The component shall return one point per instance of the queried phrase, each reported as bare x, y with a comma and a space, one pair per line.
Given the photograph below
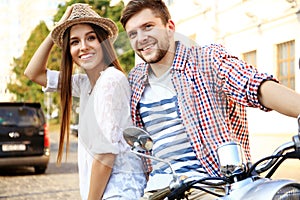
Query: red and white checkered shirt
213, 90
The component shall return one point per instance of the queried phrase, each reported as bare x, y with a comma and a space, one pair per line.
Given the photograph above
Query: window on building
250, 57
286, 63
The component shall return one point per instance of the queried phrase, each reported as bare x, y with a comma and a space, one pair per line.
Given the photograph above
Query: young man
192, 99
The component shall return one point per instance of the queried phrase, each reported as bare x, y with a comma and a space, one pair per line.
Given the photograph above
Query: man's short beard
160, 53
158, 57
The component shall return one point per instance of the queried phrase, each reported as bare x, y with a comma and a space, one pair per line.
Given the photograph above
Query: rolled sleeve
254, 86
238, 79
52, 81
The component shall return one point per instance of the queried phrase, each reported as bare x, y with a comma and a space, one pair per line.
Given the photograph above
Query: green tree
22, 87
26, 90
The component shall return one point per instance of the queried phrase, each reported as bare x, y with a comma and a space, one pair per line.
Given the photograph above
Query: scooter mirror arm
296, 138
175, 176
279, 151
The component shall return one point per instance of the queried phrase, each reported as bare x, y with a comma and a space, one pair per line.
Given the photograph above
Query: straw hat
82, 13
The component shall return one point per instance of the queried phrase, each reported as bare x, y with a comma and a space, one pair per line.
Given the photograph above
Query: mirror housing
138, 138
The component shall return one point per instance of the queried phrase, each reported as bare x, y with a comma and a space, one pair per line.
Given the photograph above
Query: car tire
40, 169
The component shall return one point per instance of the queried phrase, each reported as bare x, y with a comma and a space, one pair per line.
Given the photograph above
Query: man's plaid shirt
213, 90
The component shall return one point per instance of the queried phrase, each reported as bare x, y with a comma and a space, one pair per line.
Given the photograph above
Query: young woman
107, 169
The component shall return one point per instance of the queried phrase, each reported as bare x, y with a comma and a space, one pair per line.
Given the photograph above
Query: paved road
57, 183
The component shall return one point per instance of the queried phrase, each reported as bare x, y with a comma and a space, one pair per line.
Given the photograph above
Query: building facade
265, 33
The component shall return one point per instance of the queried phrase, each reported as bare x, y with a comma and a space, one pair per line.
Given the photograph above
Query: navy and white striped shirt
159, 112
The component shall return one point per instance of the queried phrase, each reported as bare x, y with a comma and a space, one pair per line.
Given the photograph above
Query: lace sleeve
113, 109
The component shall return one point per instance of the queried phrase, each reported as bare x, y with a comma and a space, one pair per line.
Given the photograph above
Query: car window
21, 116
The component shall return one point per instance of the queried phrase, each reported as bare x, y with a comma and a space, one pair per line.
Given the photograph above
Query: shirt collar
181, 56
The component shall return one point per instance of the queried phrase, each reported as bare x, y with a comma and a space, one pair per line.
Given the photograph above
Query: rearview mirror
138, 138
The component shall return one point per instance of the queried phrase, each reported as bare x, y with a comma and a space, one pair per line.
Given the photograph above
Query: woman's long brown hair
110, 59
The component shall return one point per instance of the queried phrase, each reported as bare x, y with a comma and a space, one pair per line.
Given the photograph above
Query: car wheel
40, 169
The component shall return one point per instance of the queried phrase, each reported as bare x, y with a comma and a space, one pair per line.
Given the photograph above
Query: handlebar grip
160, 194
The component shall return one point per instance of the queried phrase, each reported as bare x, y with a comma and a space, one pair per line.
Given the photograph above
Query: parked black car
24, 136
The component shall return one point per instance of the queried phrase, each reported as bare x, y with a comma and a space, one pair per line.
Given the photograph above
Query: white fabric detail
52, 81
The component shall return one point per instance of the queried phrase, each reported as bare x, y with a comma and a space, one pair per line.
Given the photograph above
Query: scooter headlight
289, 192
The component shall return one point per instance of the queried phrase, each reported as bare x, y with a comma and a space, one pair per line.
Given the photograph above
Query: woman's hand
66, 15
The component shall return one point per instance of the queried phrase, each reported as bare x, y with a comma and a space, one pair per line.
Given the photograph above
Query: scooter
239, 181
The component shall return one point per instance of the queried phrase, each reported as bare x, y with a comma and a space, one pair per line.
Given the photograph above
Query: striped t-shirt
159, 112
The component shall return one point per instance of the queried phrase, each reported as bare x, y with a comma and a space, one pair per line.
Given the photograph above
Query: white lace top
104, 113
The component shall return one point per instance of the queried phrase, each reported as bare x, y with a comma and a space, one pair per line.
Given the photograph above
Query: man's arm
279, 98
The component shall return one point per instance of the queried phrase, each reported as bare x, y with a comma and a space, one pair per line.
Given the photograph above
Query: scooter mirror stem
296, 138
175, 176
298, 120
